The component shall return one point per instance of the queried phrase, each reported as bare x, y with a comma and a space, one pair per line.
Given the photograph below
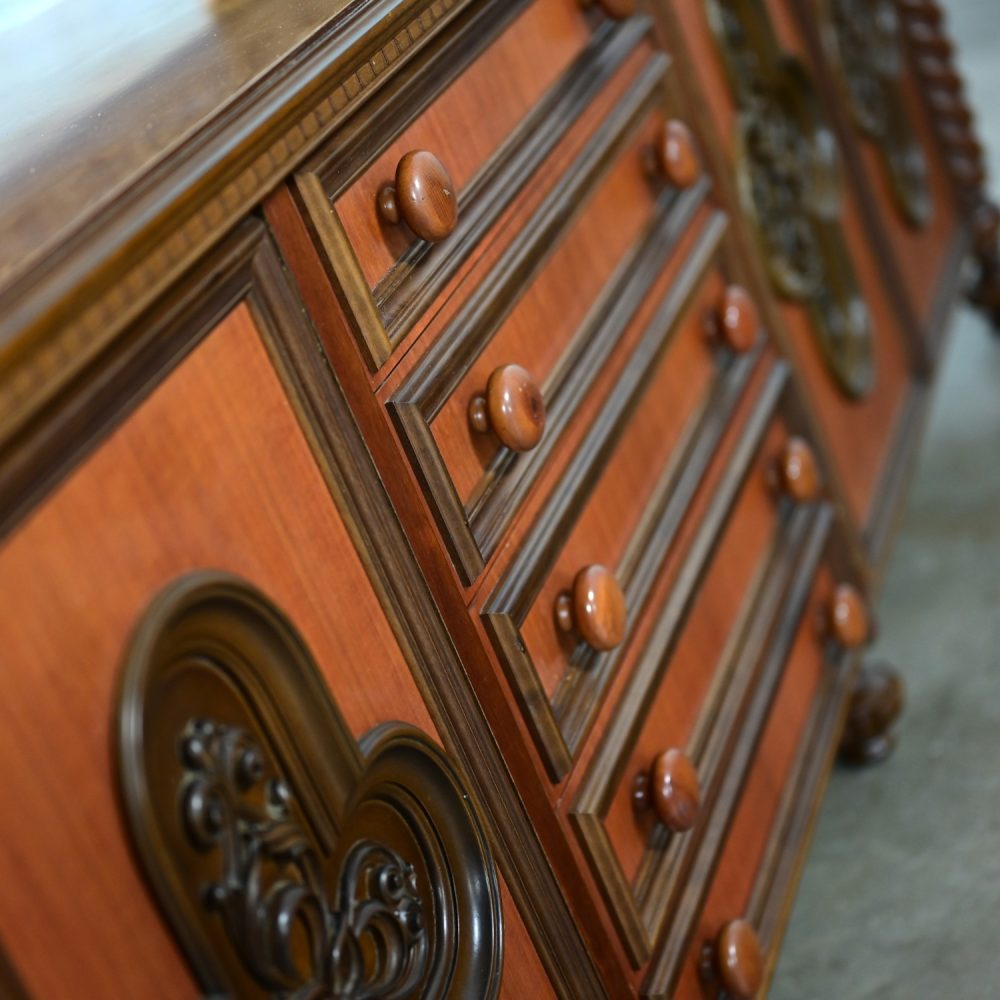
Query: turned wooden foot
876, 702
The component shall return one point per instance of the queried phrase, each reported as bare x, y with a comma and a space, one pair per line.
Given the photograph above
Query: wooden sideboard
449, 450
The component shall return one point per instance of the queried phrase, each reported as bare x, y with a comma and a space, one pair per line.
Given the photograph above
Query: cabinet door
210, 703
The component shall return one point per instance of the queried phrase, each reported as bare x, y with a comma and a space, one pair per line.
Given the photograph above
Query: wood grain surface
733, 882
468, 122
211, 471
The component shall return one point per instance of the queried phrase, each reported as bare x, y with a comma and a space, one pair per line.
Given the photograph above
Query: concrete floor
902, 886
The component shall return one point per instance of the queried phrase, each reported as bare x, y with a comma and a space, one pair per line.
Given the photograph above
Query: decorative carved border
865, 46
289, 861
56, 320
559, 726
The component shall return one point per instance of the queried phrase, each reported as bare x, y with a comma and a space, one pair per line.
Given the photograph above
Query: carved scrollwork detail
291, 861
788, 170
863, 38
271, 881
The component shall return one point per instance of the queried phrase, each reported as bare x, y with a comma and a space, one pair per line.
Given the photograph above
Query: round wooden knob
595, 608
737, 318
677, 156
617, 9
671, 787
423, 197
512, 408
798, 471
849, 621
739, 961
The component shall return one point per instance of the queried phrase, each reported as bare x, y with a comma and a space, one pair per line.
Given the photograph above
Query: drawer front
757, 866
844, 330
862, 53
549, 311
710, 654
466, 125
614, 514
490, 110
189, 584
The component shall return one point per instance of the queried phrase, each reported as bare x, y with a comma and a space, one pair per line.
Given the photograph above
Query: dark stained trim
559, 727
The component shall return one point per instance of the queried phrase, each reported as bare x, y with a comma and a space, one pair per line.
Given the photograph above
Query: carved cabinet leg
876, 703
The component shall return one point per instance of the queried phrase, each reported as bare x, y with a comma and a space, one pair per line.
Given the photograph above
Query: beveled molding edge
56, 318
288, 859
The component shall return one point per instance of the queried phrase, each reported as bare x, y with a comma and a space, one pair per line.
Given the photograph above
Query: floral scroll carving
290, 860
790, 186
865, 41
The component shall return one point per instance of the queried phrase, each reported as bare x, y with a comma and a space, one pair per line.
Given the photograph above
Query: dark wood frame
56, 319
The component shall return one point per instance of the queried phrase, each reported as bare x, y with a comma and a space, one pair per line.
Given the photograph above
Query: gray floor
901, 892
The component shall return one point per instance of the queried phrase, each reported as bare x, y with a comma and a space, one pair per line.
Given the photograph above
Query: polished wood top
95, 91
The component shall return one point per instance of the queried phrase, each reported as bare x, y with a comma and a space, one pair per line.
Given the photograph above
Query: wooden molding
439, 372
560, 726
70, 308
258, 819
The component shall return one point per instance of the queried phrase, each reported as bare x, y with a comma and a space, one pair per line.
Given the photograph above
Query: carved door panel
227, 766
869, 57
853, 352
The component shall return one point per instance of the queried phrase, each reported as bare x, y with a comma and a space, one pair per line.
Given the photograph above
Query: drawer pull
616, 9
512, 408
736, 320
677, 156
423, 196
735, 960
849, 621
672, 788
798, 471
595, 608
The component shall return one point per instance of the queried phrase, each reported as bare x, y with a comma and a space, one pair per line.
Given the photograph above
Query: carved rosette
788, 171
864, 40
290, 861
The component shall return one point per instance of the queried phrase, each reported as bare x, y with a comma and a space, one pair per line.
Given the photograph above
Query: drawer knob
595, 608
672, 788
798, 471
677, 156
737, 318
423, 197
737, 960
512, 408
849, 621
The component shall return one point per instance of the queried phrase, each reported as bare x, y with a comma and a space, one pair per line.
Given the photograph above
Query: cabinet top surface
94, 92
